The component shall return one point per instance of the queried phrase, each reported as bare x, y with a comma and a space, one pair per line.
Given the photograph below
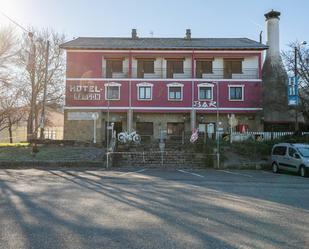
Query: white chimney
188, 34
134, 34
272, 33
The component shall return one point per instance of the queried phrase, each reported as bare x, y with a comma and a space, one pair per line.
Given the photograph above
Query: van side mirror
297, 156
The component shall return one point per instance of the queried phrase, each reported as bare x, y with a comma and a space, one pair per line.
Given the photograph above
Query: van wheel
275, 168
302, 171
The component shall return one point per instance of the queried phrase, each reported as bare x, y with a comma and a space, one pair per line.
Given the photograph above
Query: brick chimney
134, 34
188, 34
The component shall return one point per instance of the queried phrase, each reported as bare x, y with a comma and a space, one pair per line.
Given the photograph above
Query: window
236, 93
205, 93
304, 151
175, 93
232, 67
144, 93
174, 66
112, 91
175, 128
279, 151
144, 66
113, 66
292, 152
236, 66
203, 67
144, 128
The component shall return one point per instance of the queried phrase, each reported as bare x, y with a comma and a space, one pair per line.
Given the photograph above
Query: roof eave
199, 49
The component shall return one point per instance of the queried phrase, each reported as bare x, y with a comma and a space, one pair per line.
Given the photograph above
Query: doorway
117, 128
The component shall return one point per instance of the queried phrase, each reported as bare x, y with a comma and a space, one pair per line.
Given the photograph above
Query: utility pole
44, 93
31, 68
296, 51
295, 82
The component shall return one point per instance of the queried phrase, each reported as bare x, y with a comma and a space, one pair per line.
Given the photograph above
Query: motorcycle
124, 137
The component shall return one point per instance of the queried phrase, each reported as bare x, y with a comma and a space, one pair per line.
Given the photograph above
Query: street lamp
296, 51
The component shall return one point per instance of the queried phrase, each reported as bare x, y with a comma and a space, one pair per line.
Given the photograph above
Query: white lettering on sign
85, 92
204, 104
87, 96
81, 115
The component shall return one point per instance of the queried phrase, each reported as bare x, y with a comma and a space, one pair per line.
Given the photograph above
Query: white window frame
174, 85
205, 85
144, 84
242, 89
106, 85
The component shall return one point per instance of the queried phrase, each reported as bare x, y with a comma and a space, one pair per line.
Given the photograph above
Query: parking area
152, 208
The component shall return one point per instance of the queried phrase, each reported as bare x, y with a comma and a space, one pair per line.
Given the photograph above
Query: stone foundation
83, 129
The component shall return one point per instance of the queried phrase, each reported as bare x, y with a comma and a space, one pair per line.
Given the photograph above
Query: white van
290, 157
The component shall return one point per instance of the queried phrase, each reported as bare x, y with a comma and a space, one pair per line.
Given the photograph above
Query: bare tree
32, 81
8, 51
12, 113
302, 67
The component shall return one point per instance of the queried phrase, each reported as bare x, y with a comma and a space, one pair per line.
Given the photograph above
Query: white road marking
235, 173
186, 172
132, 172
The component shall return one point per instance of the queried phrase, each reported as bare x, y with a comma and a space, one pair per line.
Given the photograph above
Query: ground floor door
117, 128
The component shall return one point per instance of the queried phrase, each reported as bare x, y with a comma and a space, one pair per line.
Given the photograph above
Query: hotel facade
150, 85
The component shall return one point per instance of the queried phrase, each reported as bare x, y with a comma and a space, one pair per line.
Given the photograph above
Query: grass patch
14, 144
55, 153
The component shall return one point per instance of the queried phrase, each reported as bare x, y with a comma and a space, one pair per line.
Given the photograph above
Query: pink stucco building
155, 84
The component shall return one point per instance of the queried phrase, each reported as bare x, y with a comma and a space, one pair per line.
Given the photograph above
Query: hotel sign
85, 92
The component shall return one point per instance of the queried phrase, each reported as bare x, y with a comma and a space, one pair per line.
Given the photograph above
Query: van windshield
304, 151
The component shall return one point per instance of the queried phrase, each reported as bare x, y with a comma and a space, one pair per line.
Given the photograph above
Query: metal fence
261, 135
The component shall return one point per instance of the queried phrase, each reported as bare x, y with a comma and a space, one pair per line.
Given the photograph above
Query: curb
51, 164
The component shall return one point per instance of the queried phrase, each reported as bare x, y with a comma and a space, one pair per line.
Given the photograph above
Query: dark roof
162, 43
272, 14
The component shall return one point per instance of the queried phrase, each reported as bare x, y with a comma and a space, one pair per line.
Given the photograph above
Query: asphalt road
152, 208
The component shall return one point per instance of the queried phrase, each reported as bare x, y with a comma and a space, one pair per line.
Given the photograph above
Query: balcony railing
221, 73
163, 73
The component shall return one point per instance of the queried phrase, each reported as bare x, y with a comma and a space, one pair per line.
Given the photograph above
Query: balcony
163, 73
116, 75
220, 73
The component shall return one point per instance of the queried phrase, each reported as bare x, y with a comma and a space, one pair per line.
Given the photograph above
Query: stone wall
83, 129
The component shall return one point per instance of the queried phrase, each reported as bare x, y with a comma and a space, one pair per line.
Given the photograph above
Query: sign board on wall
81, 115
85, 92
210, 128
204, 104
293, 91
202, 128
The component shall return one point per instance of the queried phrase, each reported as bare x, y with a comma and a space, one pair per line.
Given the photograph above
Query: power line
16, 23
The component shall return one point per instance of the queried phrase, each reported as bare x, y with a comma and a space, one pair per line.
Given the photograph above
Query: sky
160, 18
